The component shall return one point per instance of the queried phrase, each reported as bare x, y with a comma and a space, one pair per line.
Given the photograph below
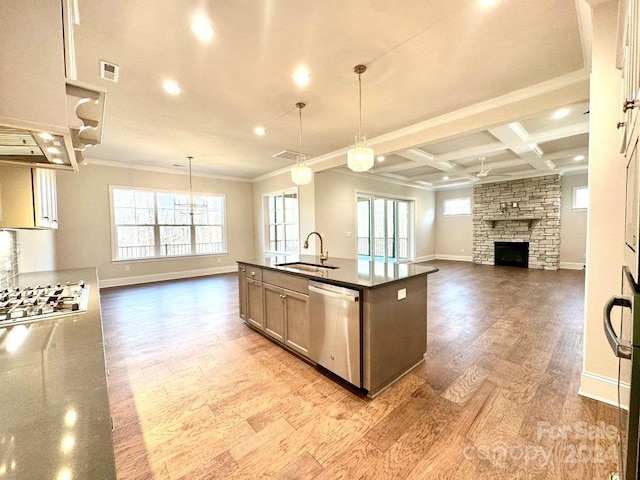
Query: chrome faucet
323, 256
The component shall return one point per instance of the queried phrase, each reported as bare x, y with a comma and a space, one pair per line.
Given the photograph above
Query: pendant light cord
360, 104
300, 110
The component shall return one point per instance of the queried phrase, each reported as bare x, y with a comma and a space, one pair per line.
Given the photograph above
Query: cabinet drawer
253, 272
286, 280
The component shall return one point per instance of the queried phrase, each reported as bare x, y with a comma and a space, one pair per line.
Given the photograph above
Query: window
281, 215
147, 224
456, 206
580, 198
384, 228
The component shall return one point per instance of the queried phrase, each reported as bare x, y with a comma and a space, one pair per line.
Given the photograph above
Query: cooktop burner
20, 305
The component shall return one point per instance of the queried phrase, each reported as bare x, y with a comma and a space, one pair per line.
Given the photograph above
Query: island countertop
54, 417
348, 272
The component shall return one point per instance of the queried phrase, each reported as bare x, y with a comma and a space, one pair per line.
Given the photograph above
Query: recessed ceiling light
488, 3
202, 28
53, 150
380, 158
301, 76
46, 136
171, 87
561, 113
260, 131
445, 178
578, 158
59, 161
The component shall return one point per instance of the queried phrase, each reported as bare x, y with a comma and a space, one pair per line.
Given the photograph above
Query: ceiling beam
515, 138
558, 133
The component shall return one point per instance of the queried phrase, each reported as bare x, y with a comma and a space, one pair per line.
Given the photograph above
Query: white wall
573, 224
454, 235
83, 238
605, 238
335, 202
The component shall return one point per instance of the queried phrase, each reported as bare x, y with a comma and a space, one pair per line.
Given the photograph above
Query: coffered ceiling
425, 59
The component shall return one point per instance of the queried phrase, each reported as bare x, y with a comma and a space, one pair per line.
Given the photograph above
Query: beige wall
605, 226
83, 238
573, 224
454, 235
335, 202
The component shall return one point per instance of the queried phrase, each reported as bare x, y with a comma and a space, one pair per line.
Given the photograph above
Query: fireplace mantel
493, 220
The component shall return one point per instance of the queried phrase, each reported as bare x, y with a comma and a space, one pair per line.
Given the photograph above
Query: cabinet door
242, 291
254, 303
297, 321
45, 198
274, 304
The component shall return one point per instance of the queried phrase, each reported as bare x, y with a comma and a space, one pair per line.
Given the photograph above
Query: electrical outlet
127, 268
219, 260
614, 476
462, 250
349, 234
402, 293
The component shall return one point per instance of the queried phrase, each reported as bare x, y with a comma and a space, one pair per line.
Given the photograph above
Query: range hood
35, 149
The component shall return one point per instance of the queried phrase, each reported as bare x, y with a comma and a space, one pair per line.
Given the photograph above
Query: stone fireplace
519, 211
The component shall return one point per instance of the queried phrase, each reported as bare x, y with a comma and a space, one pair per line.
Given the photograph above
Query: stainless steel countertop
54, 415
352, 273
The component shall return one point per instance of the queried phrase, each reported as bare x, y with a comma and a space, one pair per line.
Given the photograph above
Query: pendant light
360, 157
301, 174
191, 206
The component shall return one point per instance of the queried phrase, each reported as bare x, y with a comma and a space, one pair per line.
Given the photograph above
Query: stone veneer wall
537, 197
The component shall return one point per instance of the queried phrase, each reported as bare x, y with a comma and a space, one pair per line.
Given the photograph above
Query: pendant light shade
301, 174
360, 158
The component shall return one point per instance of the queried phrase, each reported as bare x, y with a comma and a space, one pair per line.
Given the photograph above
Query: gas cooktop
21, 305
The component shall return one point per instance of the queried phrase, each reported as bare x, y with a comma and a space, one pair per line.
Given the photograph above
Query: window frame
266, 224
444, 210
575, 195
156, 226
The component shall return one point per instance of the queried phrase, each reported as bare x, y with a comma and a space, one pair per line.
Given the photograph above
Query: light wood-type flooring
196, 394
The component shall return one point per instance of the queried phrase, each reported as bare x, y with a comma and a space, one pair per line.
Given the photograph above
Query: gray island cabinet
392, 304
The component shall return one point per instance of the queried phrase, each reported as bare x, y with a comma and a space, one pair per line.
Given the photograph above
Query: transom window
456, 206
281, 222
150, 224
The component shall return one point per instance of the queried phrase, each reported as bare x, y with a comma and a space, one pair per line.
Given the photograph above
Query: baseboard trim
425, 258
162, 277
455, 258
603, 389
572, 265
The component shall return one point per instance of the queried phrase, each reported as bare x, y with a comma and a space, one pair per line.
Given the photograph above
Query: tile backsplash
8, 258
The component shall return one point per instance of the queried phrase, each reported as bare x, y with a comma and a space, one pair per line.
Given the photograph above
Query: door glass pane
391, 228
364, 225
403, 230
378, 227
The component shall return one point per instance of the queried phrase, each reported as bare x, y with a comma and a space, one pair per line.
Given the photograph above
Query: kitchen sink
307, 267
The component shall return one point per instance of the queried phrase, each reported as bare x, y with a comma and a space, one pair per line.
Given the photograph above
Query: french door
384, 228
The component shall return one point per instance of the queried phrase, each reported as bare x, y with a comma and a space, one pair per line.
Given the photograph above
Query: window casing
580, 198
456, 206
146, 224
281, 220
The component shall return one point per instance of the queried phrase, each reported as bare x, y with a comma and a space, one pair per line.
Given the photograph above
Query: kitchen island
54, 417
391, 317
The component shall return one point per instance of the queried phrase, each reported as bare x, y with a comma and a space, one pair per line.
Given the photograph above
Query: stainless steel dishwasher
334, 342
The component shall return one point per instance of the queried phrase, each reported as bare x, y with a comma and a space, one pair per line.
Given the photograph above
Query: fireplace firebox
511, 254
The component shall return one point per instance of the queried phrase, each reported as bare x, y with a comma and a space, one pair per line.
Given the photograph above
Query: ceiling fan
483, 173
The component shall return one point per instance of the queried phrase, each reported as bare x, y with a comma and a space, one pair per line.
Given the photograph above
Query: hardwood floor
196, 394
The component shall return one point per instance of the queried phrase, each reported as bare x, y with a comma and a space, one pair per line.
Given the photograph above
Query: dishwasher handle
621, 348
329, 293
